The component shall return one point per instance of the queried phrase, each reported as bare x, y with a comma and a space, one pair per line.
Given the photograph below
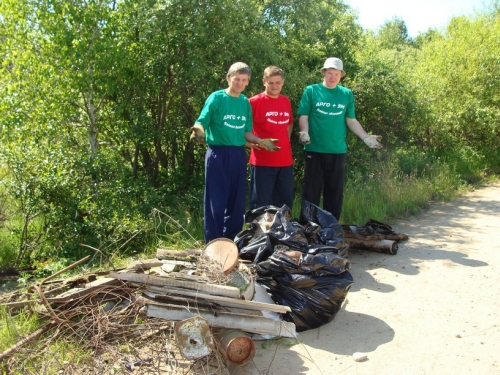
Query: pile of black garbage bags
304, 267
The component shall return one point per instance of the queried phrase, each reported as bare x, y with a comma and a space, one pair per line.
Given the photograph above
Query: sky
419, 16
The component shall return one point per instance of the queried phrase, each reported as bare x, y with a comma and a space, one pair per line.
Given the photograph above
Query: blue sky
419, 16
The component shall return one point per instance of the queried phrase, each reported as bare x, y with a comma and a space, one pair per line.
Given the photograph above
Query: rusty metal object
194, 337
235, 346
380, 246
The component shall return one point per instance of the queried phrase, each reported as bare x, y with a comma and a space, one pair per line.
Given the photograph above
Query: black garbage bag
340, 248
244, 237
330, 228
268, 211
270, 226
257, 250
314, 288
312, 306
312, 266
324, 262
304, 267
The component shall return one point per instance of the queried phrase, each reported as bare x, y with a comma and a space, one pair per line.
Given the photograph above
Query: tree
394, 34
98, 96
458, 77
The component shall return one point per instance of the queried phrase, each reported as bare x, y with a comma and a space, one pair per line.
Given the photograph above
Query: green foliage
97, 99
12, 329
398, 187
8, 249
33, 361
393, 35
386, 102
457, 79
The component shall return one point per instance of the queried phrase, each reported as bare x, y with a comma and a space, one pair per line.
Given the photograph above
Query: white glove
372, 141
304, 138
197, 134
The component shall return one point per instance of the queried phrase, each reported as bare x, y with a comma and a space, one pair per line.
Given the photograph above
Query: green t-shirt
327, 110
226, 119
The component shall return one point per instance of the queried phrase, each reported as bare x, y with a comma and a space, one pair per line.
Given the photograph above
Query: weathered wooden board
189, 254
80, 292
224, 301
218, 290
247, 323
145, 264
69, 295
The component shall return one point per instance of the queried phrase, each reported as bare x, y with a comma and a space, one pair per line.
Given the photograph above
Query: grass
14, 328
389, 193
181, 230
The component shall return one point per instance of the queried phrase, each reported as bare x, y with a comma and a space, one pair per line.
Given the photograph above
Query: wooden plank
224, 301
180, 263
247, 323
144, 264
218, 290
80, 292
151, 263
81, 279
181, 300
69, 295
188, 254
102, 281
185, 277
57, 290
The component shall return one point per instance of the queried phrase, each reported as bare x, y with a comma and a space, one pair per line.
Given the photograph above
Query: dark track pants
324, 173
271, 186
225, 191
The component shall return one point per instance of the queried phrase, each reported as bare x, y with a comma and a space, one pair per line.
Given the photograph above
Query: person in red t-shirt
271, 177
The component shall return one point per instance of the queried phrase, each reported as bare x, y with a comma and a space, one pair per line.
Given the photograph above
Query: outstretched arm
268, 143
371, 141
356, 127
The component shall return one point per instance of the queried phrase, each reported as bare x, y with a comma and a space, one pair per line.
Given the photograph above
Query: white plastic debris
358, 356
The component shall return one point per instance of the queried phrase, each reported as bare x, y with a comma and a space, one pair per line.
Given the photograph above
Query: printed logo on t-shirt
330, 109
235, 119
275, 117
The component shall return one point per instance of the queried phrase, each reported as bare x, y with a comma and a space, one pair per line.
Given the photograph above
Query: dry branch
7, 353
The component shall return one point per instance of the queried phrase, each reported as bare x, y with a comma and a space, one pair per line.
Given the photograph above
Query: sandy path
433, 308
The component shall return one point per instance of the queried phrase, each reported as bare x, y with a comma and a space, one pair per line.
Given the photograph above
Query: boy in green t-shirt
225, 124
325, 109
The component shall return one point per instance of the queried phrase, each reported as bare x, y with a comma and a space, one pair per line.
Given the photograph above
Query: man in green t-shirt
325, 109
225, 124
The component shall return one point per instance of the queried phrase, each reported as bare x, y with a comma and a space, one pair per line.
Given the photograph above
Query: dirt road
433, 308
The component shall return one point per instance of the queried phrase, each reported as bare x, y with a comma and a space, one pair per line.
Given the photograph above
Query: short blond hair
239, 68
272, 71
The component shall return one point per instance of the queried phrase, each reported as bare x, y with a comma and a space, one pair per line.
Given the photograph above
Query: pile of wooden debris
184, 312
373, 236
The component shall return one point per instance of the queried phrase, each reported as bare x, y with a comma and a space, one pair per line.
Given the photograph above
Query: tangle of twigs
105, 332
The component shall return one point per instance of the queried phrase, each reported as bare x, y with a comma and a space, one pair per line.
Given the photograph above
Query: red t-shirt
271, 118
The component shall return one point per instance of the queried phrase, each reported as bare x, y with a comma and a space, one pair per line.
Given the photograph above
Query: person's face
237, 83
331, 77
273, 85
